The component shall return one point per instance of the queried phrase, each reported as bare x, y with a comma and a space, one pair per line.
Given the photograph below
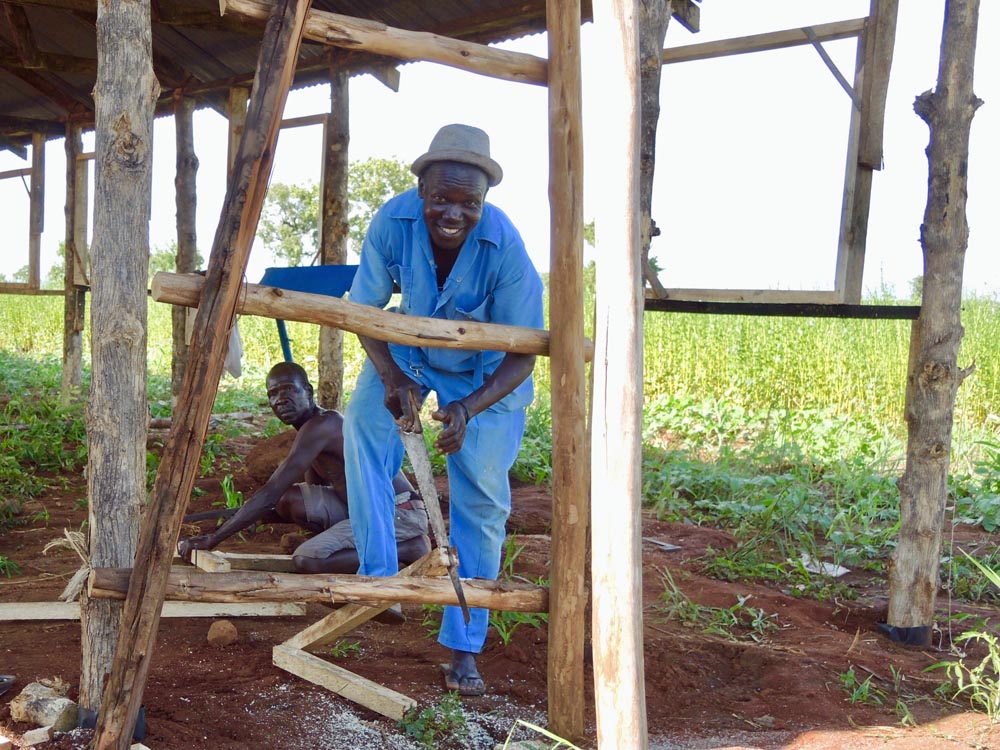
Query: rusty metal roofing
48, 50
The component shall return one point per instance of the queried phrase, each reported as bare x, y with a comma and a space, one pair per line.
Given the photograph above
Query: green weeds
441, 725
739, 621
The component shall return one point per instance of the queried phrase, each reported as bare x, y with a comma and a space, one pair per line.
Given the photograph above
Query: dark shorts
325, 509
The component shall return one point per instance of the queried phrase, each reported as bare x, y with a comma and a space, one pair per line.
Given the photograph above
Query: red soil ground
703, 691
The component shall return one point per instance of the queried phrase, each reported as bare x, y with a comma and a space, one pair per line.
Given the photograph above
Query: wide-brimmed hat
461, 143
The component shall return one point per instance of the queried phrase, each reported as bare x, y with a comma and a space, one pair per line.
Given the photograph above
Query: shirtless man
309, 487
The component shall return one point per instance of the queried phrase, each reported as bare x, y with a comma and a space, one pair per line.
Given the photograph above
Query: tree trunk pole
570, 485
934, 376
125, 97
179, 464
616, 427
186, 198
334, 208
74, 306
654, 17
36, 218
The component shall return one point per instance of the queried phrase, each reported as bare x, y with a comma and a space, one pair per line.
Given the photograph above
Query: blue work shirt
492, 281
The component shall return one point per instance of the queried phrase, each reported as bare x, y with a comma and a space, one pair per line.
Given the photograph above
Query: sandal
469, 686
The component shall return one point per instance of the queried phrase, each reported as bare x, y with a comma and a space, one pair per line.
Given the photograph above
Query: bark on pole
125, 96
179, 464
616, 427
934, 376
334, 210
570, 486
36, 217
75, 300
654, 16
186, 198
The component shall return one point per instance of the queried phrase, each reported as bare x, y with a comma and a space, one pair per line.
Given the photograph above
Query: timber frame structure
49, 54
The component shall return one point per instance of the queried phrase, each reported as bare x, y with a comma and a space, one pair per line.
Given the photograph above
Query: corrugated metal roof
48, 49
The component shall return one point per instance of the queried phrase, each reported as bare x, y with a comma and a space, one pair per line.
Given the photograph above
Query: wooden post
186, 198
654, 16
238, 98
570, 486
334, 208
76, 299
934, 376
616, 427
864, 148
179, 464
117, 416
36, 211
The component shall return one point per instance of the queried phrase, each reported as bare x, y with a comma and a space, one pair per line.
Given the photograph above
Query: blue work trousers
479, 489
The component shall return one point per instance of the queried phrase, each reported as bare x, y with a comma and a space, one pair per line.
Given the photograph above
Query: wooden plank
304, 121
570, 443
179, 463
24, 172
242, 561
209, 561
879, 41
756, 295
856, 203
193, 585
355, 688
371, 36
761, 42
22, 611
785, 309
350, 616
254, 299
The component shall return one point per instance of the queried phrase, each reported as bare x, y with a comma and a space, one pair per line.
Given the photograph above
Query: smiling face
289, 395
453, 195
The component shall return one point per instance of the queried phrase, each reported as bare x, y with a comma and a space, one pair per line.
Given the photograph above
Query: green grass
788, 432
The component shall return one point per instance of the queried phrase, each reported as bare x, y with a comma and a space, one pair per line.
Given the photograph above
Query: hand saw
416, 449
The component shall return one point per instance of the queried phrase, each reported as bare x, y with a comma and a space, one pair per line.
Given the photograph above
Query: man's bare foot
461, 676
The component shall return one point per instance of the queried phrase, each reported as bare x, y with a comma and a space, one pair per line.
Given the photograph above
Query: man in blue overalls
454, 257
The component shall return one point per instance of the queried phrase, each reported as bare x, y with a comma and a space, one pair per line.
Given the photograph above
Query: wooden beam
36, 210
687, 14
616, 425
26, 125
756, 295
856, 203
21, 35
193, 585
350, 616
358, 689
241, 208
786, 309
254, 299
23, 611
23, 172
229, 561
186, 202
18, 149
761, 42
570, 444
879, 41
371, 36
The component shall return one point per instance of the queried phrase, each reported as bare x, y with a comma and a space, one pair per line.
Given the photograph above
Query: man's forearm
247, 515
512, 371
381, 358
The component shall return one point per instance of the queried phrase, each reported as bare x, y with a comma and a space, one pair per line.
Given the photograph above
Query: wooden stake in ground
179, 465
934, 376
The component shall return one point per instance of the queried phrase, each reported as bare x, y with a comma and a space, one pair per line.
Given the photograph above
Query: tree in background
165, 259
289, 222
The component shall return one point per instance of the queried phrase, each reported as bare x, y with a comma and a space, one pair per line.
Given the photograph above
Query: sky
750, 153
